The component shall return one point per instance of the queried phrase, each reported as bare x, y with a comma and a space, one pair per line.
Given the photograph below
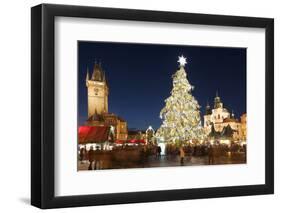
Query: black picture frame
43, 105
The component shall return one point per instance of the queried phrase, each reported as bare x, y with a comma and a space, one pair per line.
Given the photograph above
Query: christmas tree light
181, 114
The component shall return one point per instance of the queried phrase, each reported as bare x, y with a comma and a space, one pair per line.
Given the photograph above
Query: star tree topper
182, 61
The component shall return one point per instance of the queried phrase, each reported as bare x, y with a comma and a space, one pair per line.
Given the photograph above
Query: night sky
140, 78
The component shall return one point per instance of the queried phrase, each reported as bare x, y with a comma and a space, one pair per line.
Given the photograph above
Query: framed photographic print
139, 106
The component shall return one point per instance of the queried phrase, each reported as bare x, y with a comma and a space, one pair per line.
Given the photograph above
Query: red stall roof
93, 134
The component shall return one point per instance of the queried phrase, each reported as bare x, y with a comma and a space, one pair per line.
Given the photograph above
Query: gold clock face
95, 91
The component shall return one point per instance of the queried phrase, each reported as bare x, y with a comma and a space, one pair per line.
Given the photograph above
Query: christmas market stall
96, 136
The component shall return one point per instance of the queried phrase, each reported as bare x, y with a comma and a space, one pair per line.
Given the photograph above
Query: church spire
232, 114
97, 72
208, 110
87, 75
104, 79
217, 101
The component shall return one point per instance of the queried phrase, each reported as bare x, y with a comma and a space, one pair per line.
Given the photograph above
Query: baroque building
98, 114
243, 119
219, 123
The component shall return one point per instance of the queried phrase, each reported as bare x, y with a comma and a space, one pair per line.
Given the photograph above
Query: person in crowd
144, 155
195, 150
211, 154
97, 158
159, 151
91, 157
82, 154
245, 151
189, 152
155, 151
182, 155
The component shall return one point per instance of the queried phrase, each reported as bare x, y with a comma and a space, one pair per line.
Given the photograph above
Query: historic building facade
219, 123
243, 119
98, 114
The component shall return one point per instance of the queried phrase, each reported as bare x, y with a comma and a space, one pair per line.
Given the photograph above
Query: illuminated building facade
219, 123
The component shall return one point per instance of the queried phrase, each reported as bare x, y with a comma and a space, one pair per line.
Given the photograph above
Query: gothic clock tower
97, 91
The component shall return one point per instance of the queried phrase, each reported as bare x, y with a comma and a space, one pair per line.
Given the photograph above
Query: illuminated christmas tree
181, 114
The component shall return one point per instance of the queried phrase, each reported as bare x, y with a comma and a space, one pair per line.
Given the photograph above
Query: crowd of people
184, 151
212, 151
91, 156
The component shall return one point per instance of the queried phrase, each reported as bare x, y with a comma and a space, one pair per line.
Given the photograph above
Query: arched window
218, 116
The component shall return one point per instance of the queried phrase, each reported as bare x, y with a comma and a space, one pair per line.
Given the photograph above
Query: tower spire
232, 113
208, 110
104, 79
217, 100
87, 75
